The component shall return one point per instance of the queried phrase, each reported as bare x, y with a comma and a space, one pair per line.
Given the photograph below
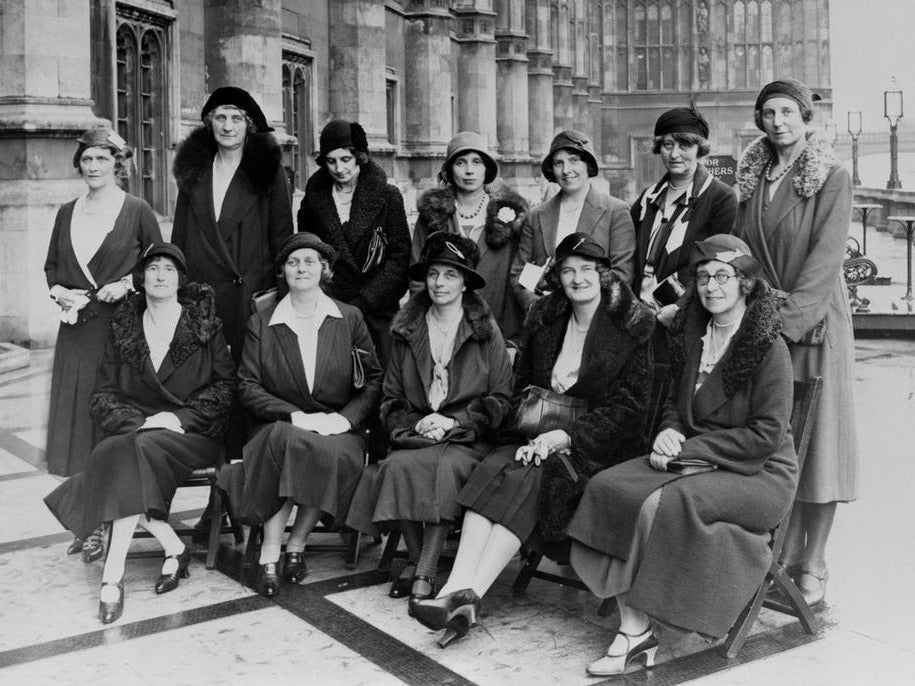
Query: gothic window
622, 46
751, 24
655, 43
298, 114
140, 51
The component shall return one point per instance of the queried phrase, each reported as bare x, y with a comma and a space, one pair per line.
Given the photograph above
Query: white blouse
568, 363
88, 229
306, 329
160, 332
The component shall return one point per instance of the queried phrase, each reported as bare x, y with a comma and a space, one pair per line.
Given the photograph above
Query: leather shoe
169, 582
111, 612
269, 582
423, 588
813, 586
402, 586
294, 569
456, 610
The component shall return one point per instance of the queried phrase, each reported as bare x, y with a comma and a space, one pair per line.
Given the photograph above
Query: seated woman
165, 383
694, 557
310, 378
446, 392
587, 339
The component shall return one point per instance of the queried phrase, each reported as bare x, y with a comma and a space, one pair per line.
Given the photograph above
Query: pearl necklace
476, 211
784, 170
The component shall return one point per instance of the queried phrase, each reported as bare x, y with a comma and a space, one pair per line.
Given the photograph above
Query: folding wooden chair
806, 399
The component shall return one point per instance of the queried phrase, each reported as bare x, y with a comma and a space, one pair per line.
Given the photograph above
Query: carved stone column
511, 69
428, 86
476, 69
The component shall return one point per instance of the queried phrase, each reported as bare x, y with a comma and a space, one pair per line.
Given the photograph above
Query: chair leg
606, 607
390, 548
531, 562
738, 634
352, 554
255, 534
796, 601
215, 526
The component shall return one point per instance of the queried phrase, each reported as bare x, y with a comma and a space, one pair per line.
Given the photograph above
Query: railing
894, 203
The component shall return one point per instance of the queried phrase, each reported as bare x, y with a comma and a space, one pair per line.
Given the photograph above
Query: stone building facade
413, 72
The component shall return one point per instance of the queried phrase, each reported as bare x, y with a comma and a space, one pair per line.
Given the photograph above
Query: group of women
549, 451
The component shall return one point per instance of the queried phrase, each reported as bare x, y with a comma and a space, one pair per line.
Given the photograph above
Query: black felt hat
449, 248
240, 98
305, 239
341, 133
681, 120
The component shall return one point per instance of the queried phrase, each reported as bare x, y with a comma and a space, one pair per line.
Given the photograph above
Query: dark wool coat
281, 461
606, 219
137, 472
71, 431
710, 212
236, 254
614, 379
498, 245
376, 203
708, 548
799, 237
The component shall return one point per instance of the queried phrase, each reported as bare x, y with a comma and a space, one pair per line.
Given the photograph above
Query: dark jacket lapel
239, 200
549, 223
289, 345
592, 213
202, 206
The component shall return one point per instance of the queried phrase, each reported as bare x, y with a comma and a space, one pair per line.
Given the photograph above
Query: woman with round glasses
682, 535
586, 341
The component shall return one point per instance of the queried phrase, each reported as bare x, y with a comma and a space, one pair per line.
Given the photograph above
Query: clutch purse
543, 410
376, 252
690, 465
358, 367
816, 335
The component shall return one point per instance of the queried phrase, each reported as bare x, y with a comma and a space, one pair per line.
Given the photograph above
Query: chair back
660, 389
261, 300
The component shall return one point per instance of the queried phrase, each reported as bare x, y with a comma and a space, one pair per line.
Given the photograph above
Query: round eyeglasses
722, 277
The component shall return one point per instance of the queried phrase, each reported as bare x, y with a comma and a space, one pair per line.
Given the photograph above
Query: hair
121, 168
139, 272
554, 282
745, 284
806, 112
327, 275
362, 157
250, 125
684, 139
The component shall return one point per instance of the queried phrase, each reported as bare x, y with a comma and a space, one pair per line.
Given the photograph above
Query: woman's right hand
65, 297
668, 443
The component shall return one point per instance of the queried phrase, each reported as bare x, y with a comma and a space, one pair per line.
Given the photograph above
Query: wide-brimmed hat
449, 248
580, 244
726, 248
785, 88
304, 239
341, 133
681, 120
469, 141
240, 98
575, 141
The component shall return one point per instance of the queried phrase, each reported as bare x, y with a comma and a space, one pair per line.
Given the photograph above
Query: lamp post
854, 130
892, 110
832, 132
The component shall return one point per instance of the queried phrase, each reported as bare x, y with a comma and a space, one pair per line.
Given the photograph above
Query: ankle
109, 592
295, 547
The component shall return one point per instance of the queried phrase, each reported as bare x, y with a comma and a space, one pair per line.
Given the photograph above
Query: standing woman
795, 212
446, 393
588, 341
95, 243
470, 205
687, 205
165, 384
351, 206
310, 379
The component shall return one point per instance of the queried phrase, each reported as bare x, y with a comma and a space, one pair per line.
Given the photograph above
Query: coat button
238, 281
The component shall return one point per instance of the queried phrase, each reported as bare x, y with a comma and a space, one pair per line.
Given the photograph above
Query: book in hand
690, 465
668, 291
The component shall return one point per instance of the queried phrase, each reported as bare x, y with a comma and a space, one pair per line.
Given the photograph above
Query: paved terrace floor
339, 626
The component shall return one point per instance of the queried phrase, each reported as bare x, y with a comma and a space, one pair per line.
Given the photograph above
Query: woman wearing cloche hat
795, 213
446, 392
95, 242
578, 206
471, 203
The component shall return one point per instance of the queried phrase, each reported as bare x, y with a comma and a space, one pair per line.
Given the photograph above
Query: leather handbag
542, 410
816, 336
376, 252
358, 366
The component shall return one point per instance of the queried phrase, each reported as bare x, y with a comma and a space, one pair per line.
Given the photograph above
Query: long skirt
505, 491
285, 462
417, 484
130, 474
71, 432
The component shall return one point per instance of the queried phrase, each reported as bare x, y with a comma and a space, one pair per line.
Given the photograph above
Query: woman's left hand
111, 292
659, 461
543, 445
666, 315
434, 426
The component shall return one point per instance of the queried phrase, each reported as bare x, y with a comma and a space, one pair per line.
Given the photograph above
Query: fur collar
197, 325
476, 313
630, 313
259, 163
759, 329
813, 165
505, 213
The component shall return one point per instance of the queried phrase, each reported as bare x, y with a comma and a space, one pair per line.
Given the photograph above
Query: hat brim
473, 280
492, 167
546, 167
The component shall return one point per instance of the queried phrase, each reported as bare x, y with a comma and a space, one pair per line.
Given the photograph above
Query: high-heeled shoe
169, 582
813, 586
644, 645
423, 588
76, 546
402, 586
456, 610
268, 584
111, 612
294, 569
94, 547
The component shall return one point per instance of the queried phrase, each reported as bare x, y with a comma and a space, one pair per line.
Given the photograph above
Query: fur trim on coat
813, 165
760, 328
615, 380
476, 312
505, 213
259, 162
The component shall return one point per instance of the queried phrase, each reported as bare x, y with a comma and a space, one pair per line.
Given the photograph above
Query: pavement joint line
22, 449
24, 377
22, 475
126, 632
